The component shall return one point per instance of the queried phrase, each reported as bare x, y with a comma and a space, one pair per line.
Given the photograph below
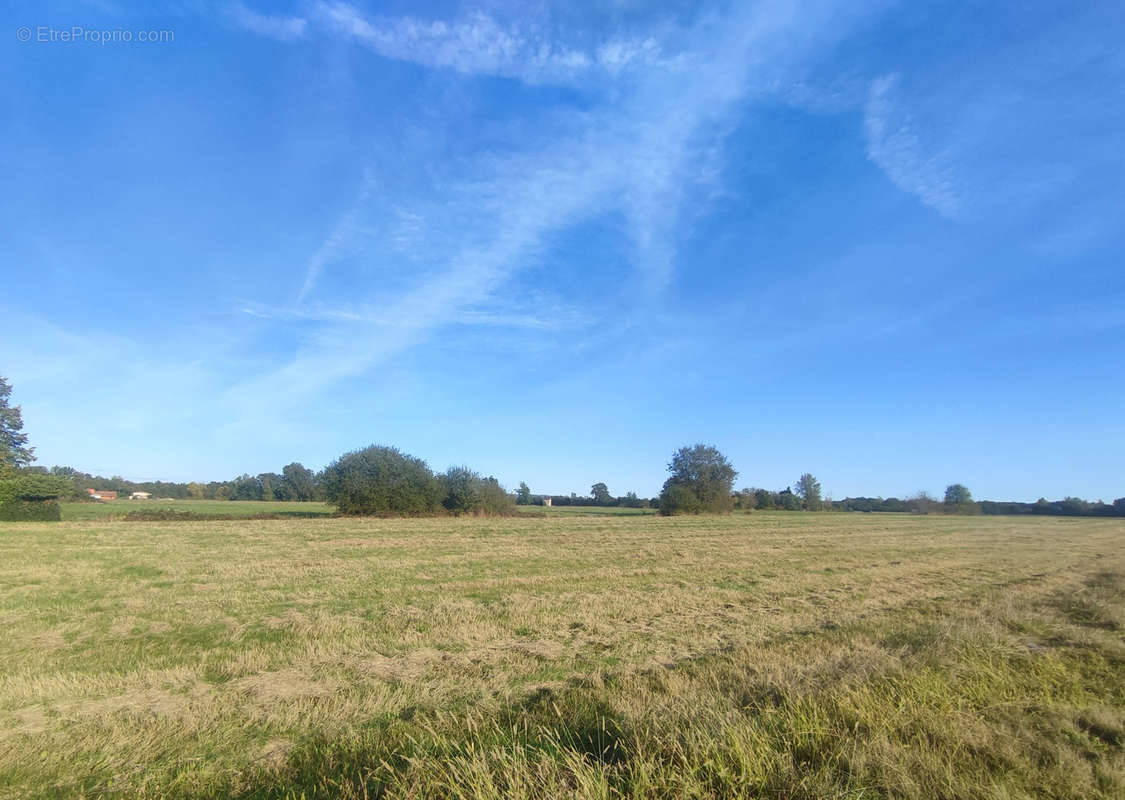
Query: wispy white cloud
521, 188
344, 238
272, 26
618, 54
478, 44
894, 144
644, 154
470, 275
495, 316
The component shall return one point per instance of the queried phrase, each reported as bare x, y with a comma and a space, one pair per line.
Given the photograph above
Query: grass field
586, 511
227, 508
243, 508
764, 655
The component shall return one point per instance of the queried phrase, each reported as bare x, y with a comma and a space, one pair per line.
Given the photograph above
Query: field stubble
778, 655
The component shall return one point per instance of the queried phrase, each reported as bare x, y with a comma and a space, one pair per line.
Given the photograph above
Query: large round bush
382, 480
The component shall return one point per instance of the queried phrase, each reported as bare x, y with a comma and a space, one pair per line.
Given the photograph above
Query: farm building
103, 495
140, 496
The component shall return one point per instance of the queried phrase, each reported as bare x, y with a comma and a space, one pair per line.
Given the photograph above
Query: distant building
546, 501
104, 495
140, 496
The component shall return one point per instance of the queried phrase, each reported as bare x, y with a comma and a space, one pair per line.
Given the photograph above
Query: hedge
30, 511
34, 486
31, 497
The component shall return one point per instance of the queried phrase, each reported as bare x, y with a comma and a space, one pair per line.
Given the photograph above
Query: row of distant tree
957, 500
378, 480
599, 496
297, 482
702, 479
374, 480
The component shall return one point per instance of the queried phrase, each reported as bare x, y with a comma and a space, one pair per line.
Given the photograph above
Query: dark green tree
956, 494
523, 496
601, 495
461, 485
808, 489
630, 500
1072, 506
677, 498
467, 492
382, 480
14, 452
244, 487
297, 483
701, 481
959, 500
744, 500
270, 483
788, 501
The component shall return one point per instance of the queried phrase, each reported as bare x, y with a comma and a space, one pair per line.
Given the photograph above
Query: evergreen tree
14, 452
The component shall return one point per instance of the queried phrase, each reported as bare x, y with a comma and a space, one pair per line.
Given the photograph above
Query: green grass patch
188, 510
562, 656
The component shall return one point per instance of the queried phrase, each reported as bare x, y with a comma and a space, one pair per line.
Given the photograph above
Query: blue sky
879, 242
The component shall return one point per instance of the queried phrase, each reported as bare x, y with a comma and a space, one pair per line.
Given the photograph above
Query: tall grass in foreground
952, 704
758, 656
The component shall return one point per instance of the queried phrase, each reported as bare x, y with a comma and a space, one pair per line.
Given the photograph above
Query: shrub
787, 501
382, 480
959, 500
701, 481
33, 486
31, 497
466, 492
30, 511
678, 499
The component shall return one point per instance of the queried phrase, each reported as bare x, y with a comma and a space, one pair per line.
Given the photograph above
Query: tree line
295, 482
599, 496
374, 480
384, 480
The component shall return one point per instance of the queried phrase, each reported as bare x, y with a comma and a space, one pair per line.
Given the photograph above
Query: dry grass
777, 655
119, 509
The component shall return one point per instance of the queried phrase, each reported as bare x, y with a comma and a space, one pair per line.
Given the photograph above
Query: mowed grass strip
776, 655
118, 509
